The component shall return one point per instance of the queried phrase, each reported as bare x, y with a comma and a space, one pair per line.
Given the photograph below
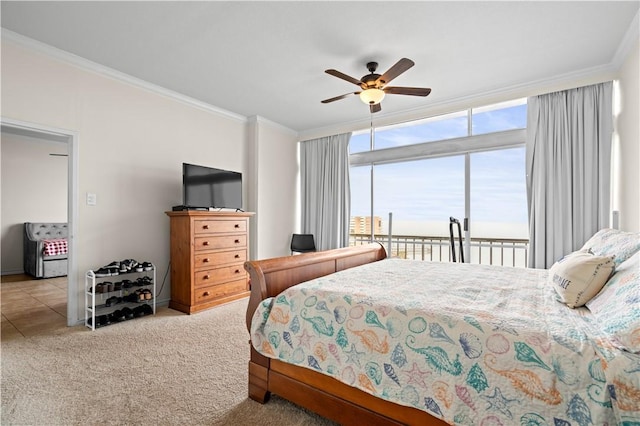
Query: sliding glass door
407, 206
498, 206
420, 195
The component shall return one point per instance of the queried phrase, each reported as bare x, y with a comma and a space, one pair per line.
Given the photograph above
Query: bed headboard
270, 277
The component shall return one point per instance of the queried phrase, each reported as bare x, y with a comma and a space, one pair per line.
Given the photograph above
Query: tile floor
30, 307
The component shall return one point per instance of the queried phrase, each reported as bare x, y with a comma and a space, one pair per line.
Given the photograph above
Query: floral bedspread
470, 344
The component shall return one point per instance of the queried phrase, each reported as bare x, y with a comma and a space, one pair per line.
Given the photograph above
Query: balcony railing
488, 251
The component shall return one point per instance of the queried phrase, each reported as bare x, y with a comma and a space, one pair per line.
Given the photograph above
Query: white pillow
579, 276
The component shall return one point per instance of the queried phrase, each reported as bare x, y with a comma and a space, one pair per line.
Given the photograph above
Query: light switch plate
91, 199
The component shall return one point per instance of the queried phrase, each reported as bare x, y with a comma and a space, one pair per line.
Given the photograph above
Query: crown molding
629, 41
257, 119
104, 71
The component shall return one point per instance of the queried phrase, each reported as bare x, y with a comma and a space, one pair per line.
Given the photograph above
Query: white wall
131, 145
276, 170
626, 190
34, 189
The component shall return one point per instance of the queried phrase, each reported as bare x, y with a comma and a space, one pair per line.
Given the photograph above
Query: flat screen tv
206, 187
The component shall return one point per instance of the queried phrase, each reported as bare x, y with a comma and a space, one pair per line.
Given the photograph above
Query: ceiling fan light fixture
372, 96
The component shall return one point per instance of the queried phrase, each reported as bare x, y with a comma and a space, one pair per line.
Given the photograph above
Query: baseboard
17, 272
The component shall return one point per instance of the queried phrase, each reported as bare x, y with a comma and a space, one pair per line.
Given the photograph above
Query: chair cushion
54, 247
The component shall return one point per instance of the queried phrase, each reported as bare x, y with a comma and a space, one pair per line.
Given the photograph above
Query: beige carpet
167, 369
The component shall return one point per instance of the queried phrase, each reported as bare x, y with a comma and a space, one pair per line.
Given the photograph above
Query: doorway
70, 138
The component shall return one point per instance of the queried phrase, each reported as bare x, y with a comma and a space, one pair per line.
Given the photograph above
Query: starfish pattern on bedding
304, 339
353, 356
499, 402
417, 376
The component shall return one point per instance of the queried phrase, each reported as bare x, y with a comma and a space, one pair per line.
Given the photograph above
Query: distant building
362, 225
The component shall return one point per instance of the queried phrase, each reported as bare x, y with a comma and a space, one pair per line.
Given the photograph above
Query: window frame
465, 145
468, 144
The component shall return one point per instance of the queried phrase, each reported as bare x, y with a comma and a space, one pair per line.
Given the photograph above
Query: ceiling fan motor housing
369, 80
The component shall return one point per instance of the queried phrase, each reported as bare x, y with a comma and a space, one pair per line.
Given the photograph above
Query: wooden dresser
208, 251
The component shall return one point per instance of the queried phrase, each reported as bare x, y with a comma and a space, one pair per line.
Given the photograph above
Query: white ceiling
268, 58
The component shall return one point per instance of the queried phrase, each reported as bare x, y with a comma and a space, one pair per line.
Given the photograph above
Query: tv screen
210, 187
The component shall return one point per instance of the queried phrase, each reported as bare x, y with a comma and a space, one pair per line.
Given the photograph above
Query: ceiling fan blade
343, 76
375, 108
337, 98
413, 91
401, 66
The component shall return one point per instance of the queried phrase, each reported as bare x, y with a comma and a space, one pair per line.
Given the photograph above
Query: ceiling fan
374, 86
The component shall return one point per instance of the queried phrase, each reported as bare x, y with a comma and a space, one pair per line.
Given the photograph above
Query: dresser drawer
206, 294
220, 275
209, 260
220, 242
219, 226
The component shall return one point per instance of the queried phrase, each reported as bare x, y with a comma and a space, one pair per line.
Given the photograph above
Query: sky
432, 190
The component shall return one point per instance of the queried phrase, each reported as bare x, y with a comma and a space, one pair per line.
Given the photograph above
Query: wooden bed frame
307, 388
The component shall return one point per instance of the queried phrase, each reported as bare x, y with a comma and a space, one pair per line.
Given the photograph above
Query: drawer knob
237, 226
237, 256
237, 271
237, 241
205, 227
206, 243
205, 260
206, 293
206, 277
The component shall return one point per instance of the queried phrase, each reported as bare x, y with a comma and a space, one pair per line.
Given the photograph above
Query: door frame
71, 138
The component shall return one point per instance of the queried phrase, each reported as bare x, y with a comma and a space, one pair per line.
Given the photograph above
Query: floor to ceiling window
407, 181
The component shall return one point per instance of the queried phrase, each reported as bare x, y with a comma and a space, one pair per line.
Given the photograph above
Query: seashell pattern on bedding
471, 344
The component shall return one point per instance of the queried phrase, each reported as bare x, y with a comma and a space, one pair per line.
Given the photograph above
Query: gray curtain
568, 169
325, 193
